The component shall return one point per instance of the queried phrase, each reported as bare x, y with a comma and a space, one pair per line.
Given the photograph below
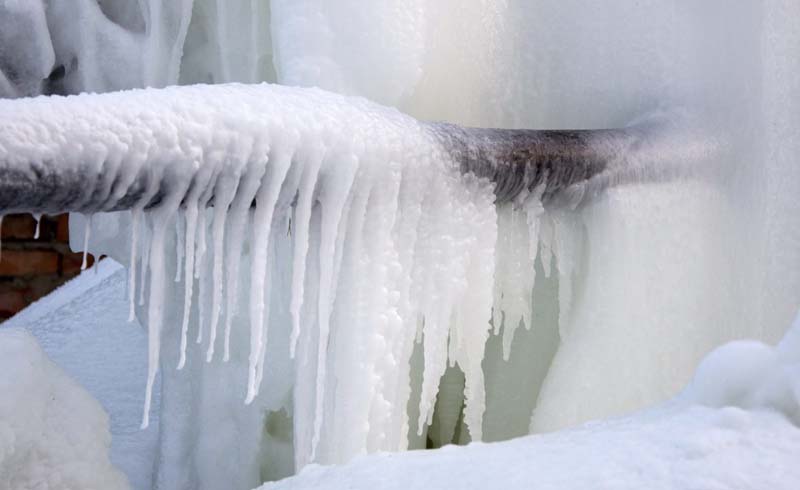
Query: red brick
62, 228
28, 262
71, 263
11, 302
21, 226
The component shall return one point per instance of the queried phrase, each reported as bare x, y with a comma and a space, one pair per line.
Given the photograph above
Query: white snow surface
735, 427
82, 327
673, 448
53, 434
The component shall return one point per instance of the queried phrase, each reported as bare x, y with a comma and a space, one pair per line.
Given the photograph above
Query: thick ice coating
383, 232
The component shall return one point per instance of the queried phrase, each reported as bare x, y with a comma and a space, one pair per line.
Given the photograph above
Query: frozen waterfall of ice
364, 241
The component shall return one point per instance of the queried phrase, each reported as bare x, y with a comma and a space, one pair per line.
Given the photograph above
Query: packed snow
53, 434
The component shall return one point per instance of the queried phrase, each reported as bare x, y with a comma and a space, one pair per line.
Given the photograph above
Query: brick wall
31, 268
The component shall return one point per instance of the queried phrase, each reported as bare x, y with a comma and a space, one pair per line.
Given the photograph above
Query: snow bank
83, 328
697, 447
53, 435
735, 427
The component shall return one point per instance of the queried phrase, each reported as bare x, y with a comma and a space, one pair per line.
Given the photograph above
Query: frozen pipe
41, 172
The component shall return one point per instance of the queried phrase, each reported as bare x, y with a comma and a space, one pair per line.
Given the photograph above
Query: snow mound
53, 435
752, 375
736, 426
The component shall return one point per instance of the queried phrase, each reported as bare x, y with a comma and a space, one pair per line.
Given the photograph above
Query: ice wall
630, 291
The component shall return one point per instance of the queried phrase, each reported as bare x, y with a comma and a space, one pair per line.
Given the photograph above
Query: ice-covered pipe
103, 152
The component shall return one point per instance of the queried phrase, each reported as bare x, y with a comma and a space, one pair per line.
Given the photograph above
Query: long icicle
136, 214
145, 257
332, 208
200, 258
199, 187
240, 209
223, 195
155, 308
267, 197
302, 218
179, 249
86, 235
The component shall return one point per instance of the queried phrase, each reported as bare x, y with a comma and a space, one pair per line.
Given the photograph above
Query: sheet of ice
53, 434
83, 328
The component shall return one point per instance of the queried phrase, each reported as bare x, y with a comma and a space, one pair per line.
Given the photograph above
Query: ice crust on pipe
362, 195
53, 434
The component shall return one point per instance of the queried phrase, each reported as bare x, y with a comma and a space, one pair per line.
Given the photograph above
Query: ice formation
52, 433
348, 268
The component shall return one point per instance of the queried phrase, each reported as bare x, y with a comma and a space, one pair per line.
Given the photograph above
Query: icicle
136, 214
145, 258
240, 209
266, 198
86, 235
534, 211
198, 195
472, 312
202, 278
333, 198
546, 244
223, 195
178, 247
155, 309
38, 218
351, 315
201, 238
188, 283
439, 274
302, 216
566, 252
